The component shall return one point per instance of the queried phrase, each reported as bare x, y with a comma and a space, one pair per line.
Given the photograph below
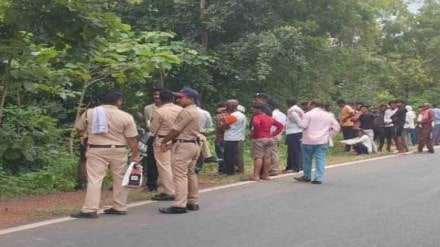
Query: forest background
57, 55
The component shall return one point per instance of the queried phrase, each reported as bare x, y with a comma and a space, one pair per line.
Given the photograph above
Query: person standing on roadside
185, 151
409, 127
282, 118
150, 162
293, 137
234, 126
427, 117
398, 119
345, 119
318, 127
390, 130
219, 135
380, 126
109, 132
161, 124
436, 129
262, 141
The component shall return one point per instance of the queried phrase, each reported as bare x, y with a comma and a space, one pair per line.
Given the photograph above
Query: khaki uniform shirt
188, 123
163, 118
121, 125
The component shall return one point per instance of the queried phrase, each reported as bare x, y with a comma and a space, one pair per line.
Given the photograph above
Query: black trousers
360, 149
151, 172
294, 160
390, 133
231, 156
348, 133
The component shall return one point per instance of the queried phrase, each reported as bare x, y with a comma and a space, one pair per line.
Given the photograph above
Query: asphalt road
387, 202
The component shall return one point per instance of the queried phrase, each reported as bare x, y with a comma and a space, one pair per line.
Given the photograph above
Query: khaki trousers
275, 157
163, 163
99, 160
183, 162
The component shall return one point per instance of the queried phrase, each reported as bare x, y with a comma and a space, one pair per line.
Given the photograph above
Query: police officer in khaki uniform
185, 151
161, 124
109, 131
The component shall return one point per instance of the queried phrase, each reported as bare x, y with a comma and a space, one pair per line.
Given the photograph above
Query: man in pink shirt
262, 141
318, 127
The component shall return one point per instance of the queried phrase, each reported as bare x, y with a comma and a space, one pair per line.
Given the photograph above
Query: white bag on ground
133, 176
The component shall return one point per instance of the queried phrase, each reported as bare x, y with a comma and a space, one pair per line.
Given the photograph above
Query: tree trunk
78, 115
3, 100
203, 18
5, 90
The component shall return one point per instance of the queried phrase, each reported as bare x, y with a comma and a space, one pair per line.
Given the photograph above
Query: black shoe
302, 179
173, 210
114, 211
91, 215
316, 182
163, 197
192, 207
431, 151
211, 159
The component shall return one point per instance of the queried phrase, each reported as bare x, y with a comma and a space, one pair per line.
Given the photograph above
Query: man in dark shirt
398, 119
367, 124
379, 126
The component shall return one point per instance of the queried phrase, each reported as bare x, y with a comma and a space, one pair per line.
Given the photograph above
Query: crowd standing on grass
179, 142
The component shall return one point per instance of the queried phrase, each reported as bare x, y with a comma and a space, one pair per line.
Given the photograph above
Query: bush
29, 140
59, 175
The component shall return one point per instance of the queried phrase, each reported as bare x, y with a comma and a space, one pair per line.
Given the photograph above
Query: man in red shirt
262, 142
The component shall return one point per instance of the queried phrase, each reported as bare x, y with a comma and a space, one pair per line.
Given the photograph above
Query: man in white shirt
282, 118
388, 123
293, 136
361, 144
234, 126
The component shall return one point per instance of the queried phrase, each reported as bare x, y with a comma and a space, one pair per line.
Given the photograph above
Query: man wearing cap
161, 124
185, 150
109, 131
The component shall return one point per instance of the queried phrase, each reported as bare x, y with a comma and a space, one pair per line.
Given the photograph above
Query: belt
161, 136
105, 146
185, 141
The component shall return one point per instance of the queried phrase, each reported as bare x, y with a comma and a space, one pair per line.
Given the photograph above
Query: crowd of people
179, 146
395, 122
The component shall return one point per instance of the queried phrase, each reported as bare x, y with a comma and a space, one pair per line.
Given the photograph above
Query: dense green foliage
57, 55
